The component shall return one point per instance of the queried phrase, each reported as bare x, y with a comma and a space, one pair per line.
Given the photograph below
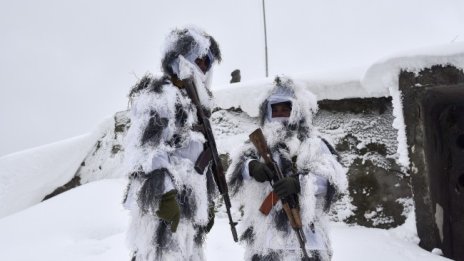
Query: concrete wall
362, 132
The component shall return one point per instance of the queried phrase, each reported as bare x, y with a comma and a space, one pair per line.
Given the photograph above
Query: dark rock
225, 160
75, 182
236, 77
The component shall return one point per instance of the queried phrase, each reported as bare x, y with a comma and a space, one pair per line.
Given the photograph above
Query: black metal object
452, 128
217, 168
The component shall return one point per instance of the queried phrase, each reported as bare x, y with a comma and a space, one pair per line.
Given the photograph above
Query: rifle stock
211, 153
268, 203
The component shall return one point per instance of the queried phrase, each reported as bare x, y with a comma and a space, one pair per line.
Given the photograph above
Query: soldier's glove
169, 210
260, 171
287, 186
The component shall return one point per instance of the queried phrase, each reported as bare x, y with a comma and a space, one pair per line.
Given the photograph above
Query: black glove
260, 171
287, 186
169, 210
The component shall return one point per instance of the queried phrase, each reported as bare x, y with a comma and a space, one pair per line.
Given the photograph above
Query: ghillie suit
298, 150
162, 145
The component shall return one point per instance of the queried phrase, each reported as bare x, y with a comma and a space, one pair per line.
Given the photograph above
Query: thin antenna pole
265, 40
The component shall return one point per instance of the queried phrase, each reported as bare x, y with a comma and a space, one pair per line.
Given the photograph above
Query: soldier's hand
260, 171
169, 210
287, 186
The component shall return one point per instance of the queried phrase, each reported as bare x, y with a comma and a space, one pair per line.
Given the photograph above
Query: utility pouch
203, 161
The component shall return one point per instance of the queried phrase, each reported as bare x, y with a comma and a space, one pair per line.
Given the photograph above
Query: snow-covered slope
86, 223
27, 177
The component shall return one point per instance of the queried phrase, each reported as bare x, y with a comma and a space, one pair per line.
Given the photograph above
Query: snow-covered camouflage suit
297, 148
162, 146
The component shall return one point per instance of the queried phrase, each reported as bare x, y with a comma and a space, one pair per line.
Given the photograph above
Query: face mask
185, 69
273, 99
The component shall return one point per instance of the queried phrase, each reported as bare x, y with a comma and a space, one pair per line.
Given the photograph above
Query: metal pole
265, 40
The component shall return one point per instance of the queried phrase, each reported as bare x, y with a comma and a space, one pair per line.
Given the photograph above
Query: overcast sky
67, 65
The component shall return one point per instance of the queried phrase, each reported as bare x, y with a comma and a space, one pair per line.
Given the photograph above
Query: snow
328, 85
104, 161
231, 129
381, 79
86, 223
89, 224
22, 174
377, 80
383, 74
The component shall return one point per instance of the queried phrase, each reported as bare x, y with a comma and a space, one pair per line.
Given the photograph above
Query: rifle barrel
217, 168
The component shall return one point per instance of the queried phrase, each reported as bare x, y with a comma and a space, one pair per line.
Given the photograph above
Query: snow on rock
231, 129
381, 79
28, 176
382, 76
377, 80
246, 96
328, 85
105, 159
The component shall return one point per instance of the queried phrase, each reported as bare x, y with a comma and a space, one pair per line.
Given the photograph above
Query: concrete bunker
433, 108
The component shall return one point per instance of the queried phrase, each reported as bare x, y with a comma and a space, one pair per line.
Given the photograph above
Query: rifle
210, 153
290, 203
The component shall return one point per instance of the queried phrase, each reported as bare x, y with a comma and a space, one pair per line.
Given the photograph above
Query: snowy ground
88, 224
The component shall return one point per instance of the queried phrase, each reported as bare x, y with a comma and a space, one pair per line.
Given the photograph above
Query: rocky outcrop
105, 159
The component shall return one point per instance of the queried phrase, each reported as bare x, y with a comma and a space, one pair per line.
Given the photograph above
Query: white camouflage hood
304, 105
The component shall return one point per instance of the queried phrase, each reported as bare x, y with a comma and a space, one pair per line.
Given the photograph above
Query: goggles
206, 61
275, 99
